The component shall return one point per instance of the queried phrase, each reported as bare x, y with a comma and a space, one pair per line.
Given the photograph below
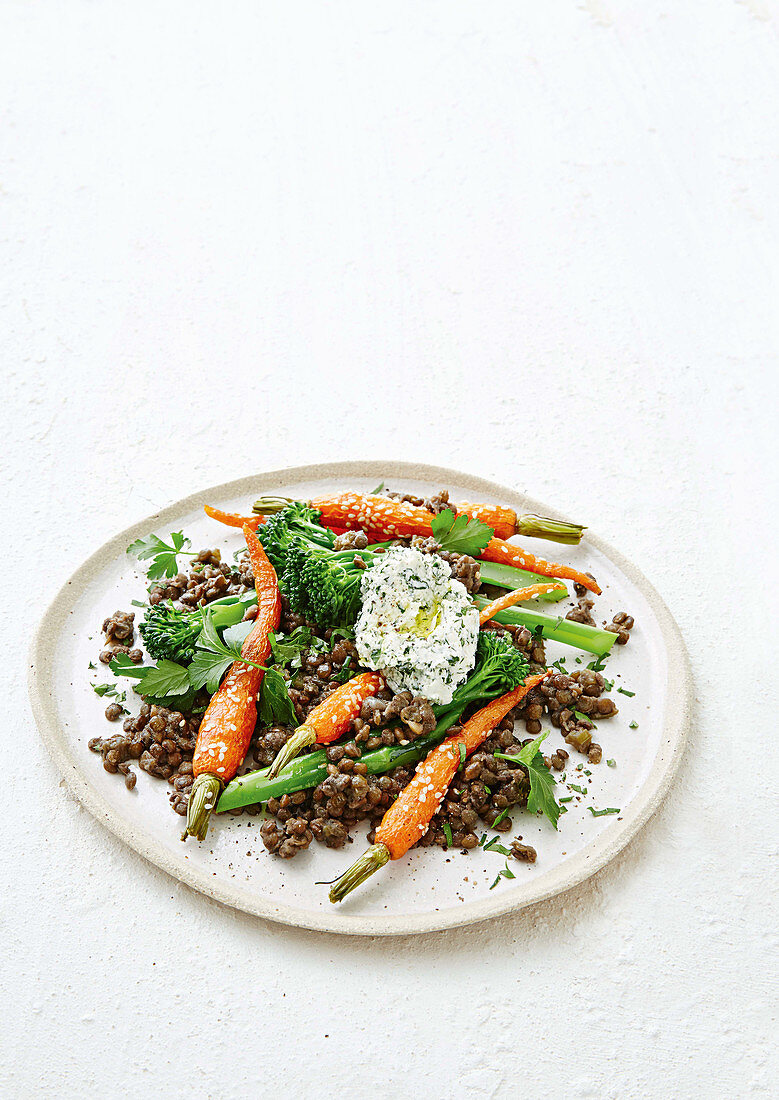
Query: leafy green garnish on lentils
163, 555
542, 783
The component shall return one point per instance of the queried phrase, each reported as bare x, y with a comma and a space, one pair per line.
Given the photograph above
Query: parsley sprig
542, 781
459, 533
163, 555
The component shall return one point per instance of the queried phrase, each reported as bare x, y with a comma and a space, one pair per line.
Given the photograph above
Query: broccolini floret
170, 634
297, 524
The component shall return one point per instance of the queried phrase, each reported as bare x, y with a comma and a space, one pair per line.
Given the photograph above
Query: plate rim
567, 875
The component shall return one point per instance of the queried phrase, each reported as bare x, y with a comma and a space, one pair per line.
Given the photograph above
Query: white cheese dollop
417, 624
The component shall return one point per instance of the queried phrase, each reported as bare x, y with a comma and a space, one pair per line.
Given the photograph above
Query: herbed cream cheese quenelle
417, 624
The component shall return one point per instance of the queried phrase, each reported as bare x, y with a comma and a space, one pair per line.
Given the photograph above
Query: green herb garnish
611, 763
448, 834
602, 813
633, 726
579, 790
505, 872
275, 705
624, 691
163, 555
110, 690
494, 845
213, 656
542, 782
459, 533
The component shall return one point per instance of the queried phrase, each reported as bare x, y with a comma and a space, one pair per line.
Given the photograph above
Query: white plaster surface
536, 242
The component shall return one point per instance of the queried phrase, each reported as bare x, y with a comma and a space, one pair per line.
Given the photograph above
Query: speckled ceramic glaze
428, 889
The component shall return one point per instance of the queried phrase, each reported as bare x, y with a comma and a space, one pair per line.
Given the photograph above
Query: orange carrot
410, 814
381, 517
232, 519
510, 598
502, 520
330, 719
508, 554
228, 723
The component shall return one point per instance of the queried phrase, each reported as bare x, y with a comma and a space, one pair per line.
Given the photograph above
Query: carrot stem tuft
202, 799
300, 739
371, 860
267, 506
556, 530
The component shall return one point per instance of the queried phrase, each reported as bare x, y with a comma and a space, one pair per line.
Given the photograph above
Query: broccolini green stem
589, 638
308, 771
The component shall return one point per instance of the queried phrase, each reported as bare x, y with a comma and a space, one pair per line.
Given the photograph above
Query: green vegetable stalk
499, 668
589, 638
308, 771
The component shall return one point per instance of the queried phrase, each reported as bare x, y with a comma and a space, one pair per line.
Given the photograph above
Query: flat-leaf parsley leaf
542, 781
459, 533
163, 555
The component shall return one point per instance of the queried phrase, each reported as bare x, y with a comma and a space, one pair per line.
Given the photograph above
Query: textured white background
532, 241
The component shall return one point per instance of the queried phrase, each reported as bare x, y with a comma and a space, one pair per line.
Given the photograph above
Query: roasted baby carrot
228, 723
380, 517
410, 814
508, 554
502, 520
330, 719
510, 598
232, 519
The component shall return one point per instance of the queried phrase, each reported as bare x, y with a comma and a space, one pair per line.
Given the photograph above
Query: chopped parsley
505, 872
111, 690
494, 845
579, 790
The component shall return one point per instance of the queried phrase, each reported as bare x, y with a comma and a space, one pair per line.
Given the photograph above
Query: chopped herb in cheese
417, 624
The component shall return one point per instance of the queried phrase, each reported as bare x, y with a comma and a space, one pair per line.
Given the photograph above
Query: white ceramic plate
429, 889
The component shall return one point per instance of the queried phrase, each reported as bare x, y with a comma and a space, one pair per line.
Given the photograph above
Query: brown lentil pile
119, 630
209, 579
481, 791
621, 625
559, 697
162, 741
435, 504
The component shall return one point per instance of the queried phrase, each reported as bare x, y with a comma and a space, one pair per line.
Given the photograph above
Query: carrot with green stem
228, 723
410, 814
330, 719
382, 517
375, 513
